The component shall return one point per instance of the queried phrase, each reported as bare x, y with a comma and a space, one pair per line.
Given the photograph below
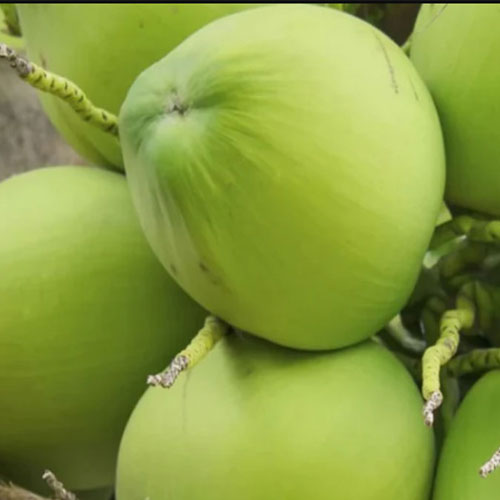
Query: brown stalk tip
491, 465
431, 405
167, 378
60, 492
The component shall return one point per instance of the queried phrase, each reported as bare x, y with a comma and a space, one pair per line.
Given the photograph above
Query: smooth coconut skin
471, 442
86, 313
455, 49
102, 48
288, 185
256, 421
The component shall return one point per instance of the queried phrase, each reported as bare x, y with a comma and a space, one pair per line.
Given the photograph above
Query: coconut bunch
317, 204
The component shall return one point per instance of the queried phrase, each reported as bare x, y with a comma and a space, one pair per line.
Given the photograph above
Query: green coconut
6, 35
288, 177
471, 441
255, 421
455, 49
102, 48
86, 313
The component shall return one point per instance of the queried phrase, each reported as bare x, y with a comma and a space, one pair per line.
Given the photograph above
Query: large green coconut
102, 48
86, 313
288, 177
473, 436
455, 49
255, 421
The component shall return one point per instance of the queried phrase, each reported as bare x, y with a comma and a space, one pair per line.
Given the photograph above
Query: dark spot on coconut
392, 72
248, 370
213, 279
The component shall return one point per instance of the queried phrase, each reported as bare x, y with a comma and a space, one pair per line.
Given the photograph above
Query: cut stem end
431, 405
213, 330
60, 492
491, 465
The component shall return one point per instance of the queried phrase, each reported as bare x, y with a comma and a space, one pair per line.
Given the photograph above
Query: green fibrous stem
476, 361
11, 18
485, 231
60, 492
213, 330
64, 89
445, 348
472, 254
403, 337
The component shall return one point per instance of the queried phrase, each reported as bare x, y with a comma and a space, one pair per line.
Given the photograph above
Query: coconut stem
478, 360
12, 492
443, 350
485, 231
213, 330
63, 88
470, 255
404, 337
60, 492
492, 464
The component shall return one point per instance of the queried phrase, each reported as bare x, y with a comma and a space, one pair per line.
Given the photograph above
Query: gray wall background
27, 139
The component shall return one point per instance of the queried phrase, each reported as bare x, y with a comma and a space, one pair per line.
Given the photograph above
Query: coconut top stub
287, 167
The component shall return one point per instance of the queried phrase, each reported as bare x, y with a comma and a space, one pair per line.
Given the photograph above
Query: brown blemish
213, 279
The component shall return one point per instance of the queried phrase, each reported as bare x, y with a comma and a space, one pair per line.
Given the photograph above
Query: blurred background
28, 140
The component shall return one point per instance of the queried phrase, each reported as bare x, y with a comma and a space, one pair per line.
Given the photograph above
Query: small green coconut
86, 313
